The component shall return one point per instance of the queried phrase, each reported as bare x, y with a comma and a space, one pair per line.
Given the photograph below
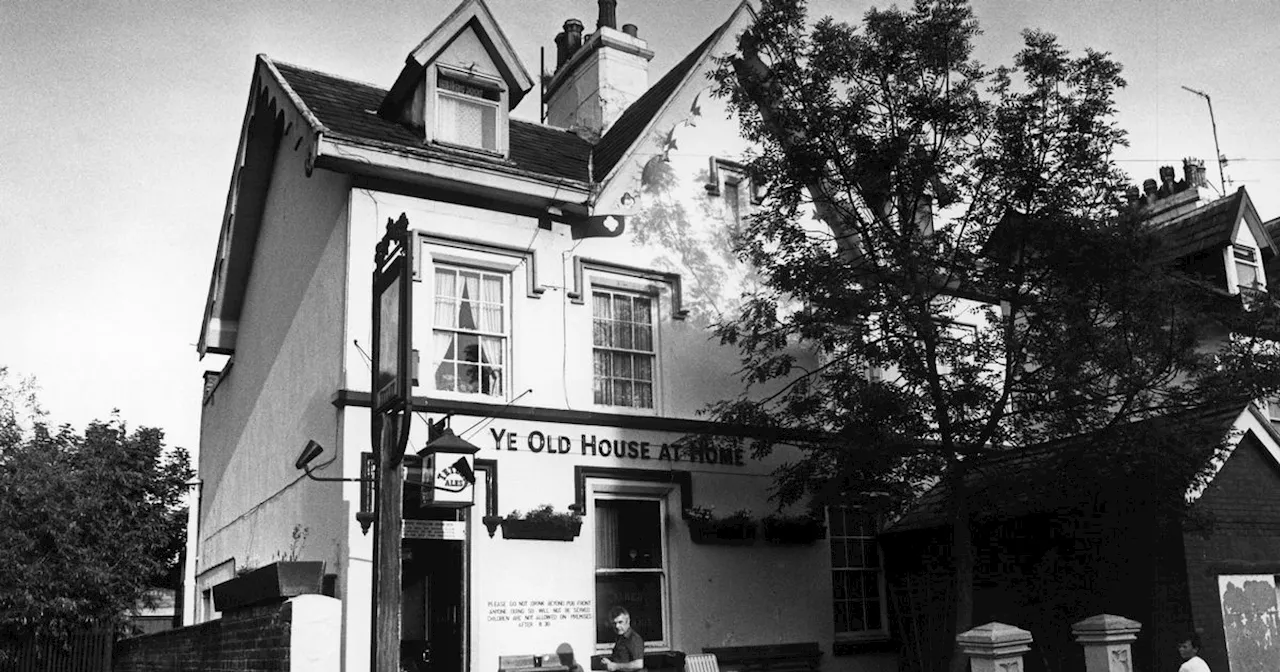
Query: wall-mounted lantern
448, 471
367, 473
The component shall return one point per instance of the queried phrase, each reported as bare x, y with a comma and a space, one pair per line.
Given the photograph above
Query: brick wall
254, 639
1239, 520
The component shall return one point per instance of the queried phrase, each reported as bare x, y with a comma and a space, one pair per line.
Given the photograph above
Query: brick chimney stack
1170, 198
597, 80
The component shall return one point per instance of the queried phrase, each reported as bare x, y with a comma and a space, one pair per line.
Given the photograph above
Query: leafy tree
909, 184
88, 522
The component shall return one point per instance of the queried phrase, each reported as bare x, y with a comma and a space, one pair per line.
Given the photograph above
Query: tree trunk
962, 557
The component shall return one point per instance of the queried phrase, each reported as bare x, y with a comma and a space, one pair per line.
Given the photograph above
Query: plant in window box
543, 523
735, 529
801, 529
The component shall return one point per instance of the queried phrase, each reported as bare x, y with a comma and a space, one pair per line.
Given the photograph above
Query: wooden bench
546, 662
654, 661
795, 657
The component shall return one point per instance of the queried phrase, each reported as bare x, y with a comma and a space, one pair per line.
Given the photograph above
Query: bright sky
120, 123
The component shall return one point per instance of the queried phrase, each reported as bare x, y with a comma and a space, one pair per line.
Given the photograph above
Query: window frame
433, 131
866, 634
508, 350
653, 296
601, 489
1271, 408
722, 174
1234, 261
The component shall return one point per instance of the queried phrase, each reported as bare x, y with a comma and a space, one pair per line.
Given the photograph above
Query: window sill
473, 397
624, 410
854, 647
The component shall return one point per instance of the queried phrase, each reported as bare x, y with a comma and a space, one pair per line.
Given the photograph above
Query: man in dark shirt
628, 651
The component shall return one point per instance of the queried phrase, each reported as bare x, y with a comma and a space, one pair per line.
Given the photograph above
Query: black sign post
392, 407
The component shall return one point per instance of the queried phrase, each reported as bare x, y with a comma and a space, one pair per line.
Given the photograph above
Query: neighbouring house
1110, 524
568, 274
153, 613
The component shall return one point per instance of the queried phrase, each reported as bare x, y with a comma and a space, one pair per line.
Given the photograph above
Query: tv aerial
1222, 160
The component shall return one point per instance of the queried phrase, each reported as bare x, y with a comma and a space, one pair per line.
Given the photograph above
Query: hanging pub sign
391, 409
392, 319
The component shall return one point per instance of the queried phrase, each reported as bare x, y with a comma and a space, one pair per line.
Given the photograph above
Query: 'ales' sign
448, 479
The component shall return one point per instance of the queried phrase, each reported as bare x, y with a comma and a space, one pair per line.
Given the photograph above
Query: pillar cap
994, 640
1106, 628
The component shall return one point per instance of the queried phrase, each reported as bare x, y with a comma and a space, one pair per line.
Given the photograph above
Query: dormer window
470, 111
1247, 267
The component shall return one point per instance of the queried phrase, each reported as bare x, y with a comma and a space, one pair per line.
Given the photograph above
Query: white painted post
315, 634
1106, 639
995, 647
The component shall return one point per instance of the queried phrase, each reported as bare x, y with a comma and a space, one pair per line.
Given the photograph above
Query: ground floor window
631, 564
857, 576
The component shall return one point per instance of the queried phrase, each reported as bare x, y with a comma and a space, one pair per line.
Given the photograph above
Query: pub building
565, 277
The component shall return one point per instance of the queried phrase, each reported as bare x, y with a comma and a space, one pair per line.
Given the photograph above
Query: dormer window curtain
470, 110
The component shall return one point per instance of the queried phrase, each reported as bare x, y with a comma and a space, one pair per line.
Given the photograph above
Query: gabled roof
1042, 478
469, 12
630, 127
337, 123
347, 108
1207, 227
624, 132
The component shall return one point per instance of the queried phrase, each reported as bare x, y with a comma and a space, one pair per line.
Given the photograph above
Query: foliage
909, 186
547, 514
803, 528
706, 514
88, 522
702, 513
298, 540
783, 520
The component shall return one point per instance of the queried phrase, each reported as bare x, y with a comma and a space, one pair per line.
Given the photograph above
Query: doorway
433, 609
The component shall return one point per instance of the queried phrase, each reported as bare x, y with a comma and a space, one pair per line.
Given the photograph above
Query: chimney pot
1149, 187
1167, 187
1132, 193
631, 29
608, 14
567, 42
1193, 172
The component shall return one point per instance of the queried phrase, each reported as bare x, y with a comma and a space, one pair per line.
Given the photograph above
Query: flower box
783, 530
513, 528
541, 523
275, 582
722, 532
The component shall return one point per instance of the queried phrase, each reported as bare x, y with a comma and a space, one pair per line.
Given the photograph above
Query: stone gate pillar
995, 647
1106, 639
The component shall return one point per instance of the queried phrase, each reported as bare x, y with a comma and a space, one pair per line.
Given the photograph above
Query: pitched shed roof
1045, 477
1207, 227
348, 109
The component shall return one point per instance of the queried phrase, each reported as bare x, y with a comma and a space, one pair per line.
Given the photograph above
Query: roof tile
1208, 226
1043, 477
627, 129
348, 108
